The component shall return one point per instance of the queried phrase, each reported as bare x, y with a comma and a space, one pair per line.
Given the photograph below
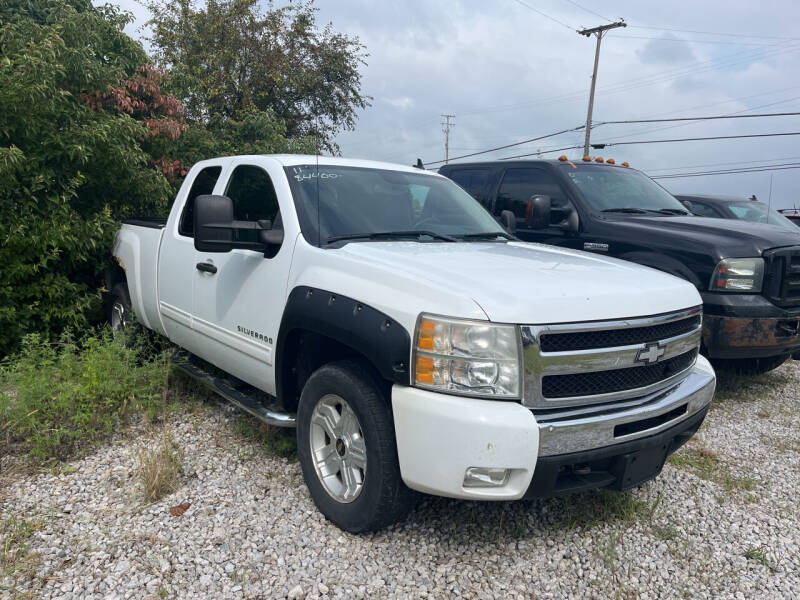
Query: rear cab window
202, 185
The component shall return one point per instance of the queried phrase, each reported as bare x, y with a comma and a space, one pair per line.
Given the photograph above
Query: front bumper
440, 436
748, 326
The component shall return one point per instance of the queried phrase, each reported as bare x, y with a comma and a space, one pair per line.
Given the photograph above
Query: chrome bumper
570, 430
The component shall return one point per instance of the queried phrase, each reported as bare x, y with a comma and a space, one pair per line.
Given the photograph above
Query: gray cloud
509, 74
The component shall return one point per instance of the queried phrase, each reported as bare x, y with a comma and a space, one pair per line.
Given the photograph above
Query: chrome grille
583, 364
615, 380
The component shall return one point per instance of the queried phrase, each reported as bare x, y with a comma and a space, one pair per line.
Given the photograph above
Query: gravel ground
721, 521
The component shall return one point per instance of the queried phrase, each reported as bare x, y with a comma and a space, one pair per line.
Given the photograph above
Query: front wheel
347, 449
749, 366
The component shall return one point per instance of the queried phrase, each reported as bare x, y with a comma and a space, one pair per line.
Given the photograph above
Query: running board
269, 413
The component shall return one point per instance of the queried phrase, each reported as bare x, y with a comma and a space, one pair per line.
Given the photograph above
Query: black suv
747, 273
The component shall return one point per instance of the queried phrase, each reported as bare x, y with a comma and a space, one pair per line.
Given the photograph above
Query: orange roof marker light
563, 157
587, 158
598, 159
625, 164
610, 161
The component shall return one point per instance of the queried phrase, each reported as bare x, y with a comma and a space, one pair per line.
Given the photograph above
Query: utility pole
446, 125
598, 32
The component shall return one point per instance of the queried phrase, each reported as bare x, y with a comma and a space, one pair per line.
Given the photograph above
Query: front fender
666, 264
379, 338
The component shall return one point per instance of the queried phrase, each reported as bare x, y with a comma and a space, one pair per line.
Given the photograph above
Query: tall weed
58, 396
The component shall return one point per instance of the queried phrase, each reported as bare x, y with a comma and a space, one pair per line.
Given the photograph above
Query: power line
742, 35
763, 169
545, 15
690, 41
541, 137
607, 144
591, 12
708, 118
722, 164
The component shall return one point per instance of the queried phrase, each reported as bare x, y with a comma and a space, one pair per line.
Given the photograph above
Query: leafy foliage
74, 157
231, 60
55, 397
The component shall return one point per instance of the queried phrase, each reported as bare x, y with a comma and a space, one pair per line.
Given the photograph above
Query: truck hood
526, 283
722, 238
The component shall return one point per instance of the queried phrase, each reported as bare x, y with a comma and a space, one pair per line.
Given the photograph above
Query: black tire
120, 315
383, 498
749, 366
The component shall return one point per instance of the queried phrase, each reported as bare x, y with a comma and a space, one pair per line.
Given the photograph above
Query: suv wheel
347, 449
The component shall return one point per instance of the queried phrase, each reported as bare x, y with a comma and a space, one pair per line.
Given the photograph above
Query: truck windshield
617, 189
336, 203
759, 213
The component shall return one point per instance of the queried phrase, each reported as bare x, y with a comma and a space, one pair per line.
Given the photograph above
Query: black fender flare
380, 339
666, 264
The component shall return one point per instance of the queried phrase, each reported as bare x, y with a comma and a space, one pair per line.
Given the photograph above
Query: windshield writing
335, 203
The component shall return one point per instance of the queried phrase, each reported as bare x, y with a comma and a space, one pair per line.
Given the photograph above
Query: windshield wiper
380, 235
672, 211
633, 211
487, 235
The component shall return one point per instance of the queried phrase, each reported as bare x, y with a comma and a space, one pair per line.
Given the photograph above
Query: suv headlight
738, 275
470, 358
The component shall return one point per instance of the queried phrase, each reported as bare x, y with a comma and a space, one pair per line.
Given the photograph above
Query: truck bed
151, 222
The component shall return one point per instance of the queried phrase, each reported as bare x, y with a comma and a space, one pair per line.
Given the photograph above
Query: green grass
666, 532
14, 535
600, 506
276, 441
704, 462
758, 554
56, 398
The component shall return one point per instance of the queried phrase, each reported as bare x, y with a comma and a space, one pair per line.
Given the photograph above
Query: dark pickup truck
747, 273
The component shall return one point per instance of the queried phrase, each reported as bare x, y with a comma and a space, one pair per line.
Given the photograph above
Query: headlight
473, 358
738, 275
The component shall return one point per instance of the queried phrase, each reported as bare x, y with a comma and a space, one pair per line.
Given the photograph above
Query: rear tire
749, 366
347, 449
124, 326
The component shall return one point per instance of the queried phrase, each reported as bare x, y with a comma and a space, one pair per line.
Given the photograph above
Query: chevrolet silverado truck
414, 344
748, 274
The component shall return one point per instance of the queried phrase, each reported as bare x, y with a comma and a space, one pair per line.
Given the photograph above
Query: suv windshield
622, 189
758, 213
342, 203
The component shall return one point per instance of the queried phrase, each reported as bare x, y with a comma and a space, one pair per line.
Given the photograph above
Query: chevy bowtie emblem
651, 353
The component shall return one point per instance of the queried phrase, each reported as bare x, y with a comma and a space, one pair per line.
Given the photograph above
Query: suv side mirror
211, 213
509, 221
538, 212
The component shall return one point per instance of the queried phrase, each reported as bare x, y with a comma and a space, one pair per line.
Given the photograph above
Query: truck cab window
473, 181
203, 184
253, 195
704, 210
520, 184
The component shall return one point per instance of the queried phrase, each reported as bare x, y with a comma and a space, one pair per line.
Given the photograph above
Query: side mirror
688, 205
538, 212
210, 212
509, 221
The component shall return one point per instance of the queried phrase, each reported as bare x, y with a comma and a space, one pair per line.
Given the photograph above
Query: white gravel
253, 532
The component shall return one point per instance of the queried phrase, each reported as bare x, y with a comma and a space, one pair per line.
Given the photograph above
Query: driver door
239, 295
516, 188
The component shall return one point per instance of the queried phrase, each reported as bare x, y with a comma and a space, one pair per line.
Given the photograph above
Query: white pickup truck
412, 341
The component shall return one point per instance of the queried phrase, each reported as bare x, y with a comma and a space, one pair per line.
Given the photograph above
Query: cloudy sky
511, 70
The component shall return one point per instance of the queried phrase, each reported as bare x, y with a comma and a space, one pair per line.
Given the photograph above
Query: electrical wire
708, 118
545, 15
763, 169
689, 41
741, 35
601, 146
541, 137
591, 12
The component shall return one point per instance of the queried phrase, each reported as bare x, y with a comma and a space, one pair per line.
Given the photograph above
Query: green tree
82, 126
232, 60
